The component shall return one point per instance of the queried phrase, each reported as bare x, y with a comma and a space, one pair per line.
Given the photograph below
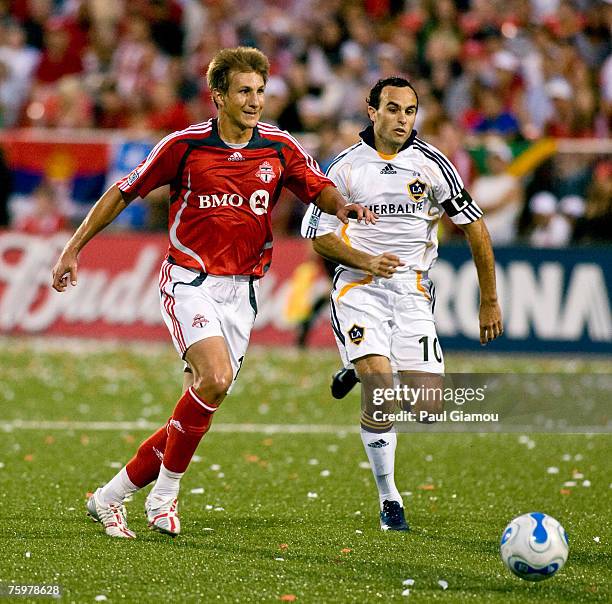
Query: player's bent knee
214, 387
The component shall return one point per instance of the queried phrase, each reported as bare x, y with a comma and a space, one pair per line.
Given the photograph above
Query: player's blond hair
238, 60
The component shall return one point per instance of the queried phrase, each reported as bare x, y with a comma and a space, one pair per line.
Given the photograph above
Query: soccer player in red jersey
225, 177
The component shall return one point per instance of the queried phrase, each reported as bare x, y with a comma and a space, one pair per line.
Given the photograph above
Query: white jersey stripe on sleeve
273, 130
452, 171
449, 176
195, 129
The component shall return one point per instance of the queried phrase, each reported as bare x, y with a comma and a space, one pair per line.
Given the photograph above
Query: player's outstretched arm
106, 209
490, 316
331, 201
333, 248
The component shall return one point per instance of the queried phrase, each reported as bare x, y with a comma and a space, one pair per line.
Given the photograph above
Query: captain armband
458, 203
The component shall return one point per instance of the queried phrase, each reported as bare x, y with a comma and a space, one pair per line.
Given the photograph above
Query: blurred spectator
17, 65
329, 145
6, 187
168, 112
44, 216
110, 110
58, 58
492, 117
546, 229
554, 222
277, 100
561, 122
596, 225
499, 194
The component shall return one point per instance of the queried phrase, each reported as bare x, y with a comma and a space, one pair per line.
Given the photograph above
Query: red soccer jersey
221, 198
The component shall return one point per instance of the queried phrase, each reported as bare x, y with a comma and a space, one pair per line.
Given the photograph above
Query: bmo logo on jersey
258, 201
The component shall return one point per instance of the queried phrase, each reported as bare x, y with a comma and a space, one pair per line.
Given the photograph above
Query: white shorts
196, 306
388, 317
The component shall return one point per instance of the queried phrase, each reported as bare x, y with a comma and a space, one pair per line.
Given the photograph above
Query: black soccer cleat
392, 517
343, 382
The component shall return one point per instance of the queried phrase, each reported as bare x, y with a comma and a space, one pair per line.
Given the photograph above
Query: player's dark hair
238, 60
373, 99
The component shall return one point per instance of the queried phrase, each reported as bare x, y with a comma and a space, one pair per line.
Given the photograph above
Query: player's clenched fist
65, 268
384, 265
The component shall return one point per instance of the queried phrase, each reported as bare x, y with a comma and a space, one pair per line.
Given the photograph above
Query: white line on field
18, 424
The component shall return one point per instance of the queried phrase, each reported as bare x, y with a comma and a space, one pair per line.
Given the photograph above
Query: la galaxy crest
356, 334
417, 189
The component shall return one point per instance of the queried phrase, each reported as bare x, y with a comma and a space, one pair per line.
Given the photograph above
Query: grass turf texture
464, 488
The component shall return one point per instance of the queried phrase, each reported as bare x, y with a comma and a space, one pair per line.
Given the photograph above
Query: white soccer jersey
410, 191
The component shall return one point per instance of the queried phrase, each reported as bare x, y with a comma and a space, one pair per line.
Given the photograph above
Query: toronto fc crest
265, 172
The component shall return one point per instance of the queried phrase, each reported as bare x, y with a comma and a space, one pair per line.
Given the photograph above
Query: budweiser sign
117, 292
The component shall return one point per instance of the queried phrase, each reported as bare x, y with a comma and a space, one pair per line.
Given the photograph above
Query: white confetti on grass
219, 509
196, 458
325, 473
28, 554
313, 462
312, 495
566, 457
552, 470
280, 559
1, 465
197, 491
578, 457
569, 483
443, 584
215, 467
596, 539
207, 528
409, 582
406, 592
586, 483
364, 465
100, 598
359, 532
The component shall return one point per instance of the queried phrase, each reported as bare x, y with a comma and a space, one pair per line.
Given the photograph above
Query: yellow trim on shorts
344, 235
350, 286
419, 278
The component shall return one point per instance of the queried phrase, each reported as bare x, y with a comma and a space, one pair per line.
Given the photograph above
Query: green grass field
251, 532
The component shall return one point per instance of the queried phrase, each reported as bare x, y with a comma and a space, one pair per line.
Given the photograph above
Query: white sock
380, 449
167, 483
117, 488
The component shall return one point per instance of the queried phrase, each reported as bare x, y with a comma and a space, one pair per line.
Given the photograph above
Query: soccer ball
534, 546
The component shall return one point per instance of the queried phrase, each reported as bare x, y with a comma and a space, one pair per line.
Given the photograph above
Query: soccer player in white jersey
382, 300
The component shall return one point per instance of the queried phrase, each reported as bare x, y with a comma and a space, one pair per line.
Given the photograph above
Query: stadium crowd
491, 75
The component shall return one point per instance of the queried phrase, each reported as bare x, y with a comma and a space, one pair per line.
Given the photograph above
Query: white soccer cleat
113, 517
162, 515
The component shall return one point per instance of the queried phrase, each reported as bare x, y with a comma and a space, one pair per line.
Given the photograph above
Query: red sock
190, 421
143, 468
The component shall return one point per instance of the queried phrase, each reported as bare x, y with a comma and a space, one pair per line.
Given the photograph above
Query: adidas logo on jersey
388, 169
236, 156
378, 444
